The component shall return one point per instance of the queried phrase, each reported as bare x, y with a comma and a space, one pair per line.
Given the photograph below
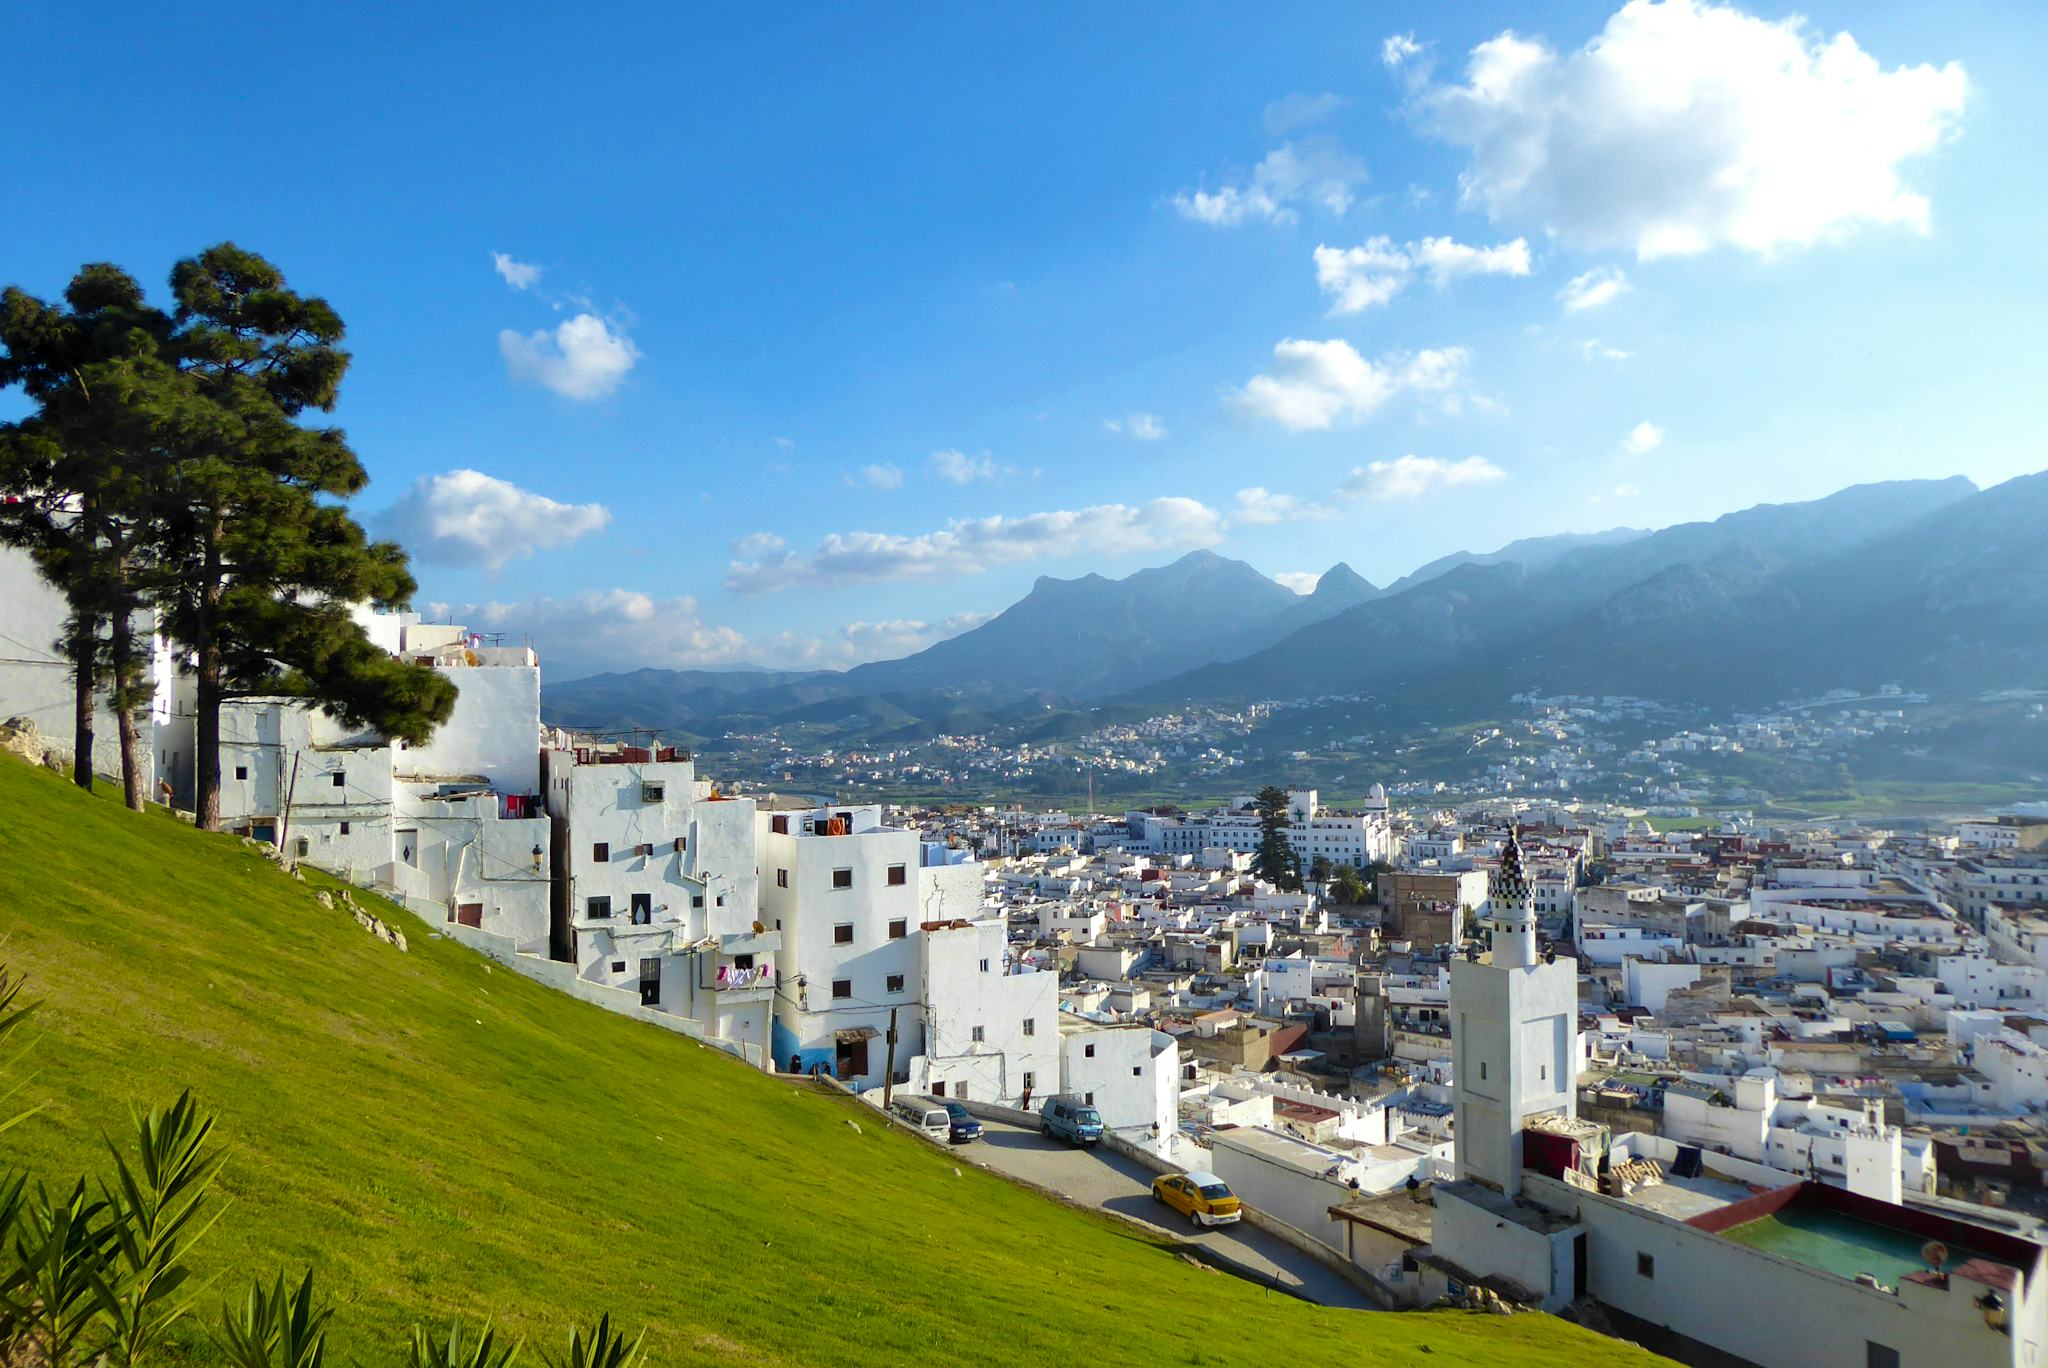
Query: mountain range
1931, 583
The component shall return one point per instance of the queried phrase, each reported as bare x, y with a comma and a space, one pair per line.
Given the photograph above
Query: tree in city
1275, 860
260, 562
1319, 874
81, 476
1347, 885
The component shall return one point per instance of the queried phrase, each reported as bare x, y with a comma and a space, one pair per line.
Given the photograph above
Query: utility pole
284, 824
889, 1068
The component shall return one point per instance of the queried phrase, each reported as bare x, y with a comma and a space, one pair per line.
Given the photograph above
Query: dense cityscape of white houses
1713, 1083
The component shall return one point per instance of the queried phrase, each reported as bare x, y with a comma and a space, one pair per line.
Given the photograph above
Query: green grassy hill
440, 1139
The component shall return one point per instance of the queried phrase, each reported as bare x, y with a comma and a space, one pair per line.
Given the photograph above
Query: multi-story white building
989, 1032
655, 888
1342, 838
848, 893
456, 823
1128, 1072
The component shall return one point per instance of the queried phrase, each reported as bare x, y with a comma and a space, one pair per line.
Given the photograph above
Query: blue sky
819, 331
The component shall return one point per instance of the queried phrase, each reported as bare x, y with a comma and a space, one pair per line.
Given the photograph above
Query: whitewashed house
1128, 1072
990, 1031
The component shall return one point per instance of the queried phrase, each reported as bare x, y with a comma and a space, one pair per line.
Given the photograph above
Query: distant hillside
441, 1139
1531, 553
662, 699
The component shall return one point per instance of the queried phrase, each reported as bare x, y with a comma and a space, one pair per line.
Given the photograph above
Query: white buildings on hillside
989, 1032
1353, 838
1128, 1072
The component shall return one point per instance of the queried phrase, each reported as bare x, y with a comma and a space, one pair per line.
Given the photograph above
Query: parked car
1077, 1123
964, 1127
1200, 1196
927, 1114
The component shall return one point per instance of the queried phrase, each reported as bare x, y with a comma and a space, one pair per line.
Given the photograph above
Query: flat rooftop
1839, 1244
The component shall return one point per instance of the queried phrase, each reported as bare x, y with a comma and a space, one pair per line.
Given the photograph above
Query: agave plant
604, 1348
454, 1352
158, 1208
276, 1327
56, 1258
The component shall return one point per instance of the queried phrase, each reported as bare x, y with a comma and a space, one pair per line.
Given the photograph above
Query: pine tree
1274, 860
261, 563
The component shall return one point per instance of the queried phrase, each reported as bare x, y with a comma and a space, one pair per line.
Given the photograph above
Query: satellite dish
759, 928
1934, 1254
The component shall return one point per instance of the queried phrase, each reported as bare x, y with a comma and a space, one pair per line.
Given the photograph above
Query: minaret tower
1514, 1034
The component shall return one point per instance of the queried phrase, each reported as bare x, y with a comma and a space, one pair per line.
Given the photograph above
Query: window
1030, 1080
618, 966
977, 1034
842, 988
682, 844
960, 1091
782, 878
1543, 1073
898, 876
842, 878
650, 982
779, 825
742, 961
895, 983
306, 846
600, 852
643, 909
697, 900
984, 966
1088, 1052
651, 793
1482, 1072
598, 908
241, 771
1088, 1099
1877, 1355
340, 779
646, 848
898, 929
344, 828
1030, 1026
1137, 1071
842, 934
1646, 1266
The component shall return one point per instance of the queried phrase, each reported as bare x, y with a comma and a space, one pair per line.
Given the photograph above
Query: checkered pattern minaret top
1507, 892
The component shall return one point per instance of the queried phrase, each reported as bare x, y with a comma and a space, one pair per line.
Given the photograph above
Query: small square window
340, 779
718, 901
1646, 1266
842, 934
601, 852
1137, 1071
697, 900
779, 825
651, 793
782, 878
898, 876
598, 908
898, 929
895, 983
742, 961
976, 1034
842, 878
618, 966
1088, 1099
1030, 1026
241, 771
344, 828
1088, 1052
682, 844
645, 848
842, 988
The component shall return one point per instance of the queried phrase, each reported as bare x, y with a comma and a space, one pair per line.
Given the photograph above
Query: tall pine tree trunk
127, 677
85, 660
206, 728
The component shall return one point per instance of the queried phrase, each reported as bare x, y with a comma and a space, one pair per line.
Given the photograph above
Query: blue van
1077, 1123
962, 1126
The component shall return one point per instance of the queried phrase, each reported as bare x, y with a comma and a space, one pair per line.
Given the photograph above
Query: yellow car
1200, 1196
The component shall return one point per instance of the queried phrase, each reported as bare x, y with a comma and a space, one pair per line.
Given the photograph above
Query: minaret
1514, 1035
1511, 910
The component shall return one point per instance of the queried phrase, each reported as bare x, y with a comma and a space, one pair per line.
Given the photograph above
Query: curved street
1113, 1183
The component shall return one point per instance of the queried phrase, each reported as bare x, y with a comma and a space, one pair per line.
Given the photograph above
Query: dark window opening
898, 929
1646, 1266
1088, 1052
241, 771
643, 909
779, 825
842, 988
601, 852
782, 878
897, 876
842, 878
842, 934
895, 982
340, 779
598, 908
344, 828
650, 982
742, 961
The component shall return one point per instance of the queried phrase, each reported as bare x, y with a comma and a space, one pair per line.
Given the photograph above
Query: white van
922, 1112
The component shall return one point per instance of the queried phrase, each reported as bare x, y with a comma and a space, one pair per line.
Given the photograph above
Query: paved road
1124, 1186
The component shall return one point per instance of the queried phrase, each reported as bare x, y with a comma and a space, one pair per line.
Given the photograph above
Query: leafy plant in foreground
275, 1327
481, 1352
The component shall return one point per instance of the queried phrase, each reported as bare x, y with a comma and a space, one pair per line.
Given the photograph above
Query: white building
848, 893
988, 1024
457, 823
655, 889
1128, 1072
1351, 838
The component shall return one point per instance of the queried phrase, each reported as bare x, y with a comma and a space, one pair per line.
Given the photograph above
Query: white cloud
756, 544
611, 629
957, 467
583, 358
1401, 480
1407, 478
785, 443
1686, 125
881, 476
970, 546
1593, 349
466, 517
1397, 49
1261, 507
1300, 581
1315, 171
1643, 437
519, 275
1592, 289
1290, 112
1139, 427
1315, 385
1360, 277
